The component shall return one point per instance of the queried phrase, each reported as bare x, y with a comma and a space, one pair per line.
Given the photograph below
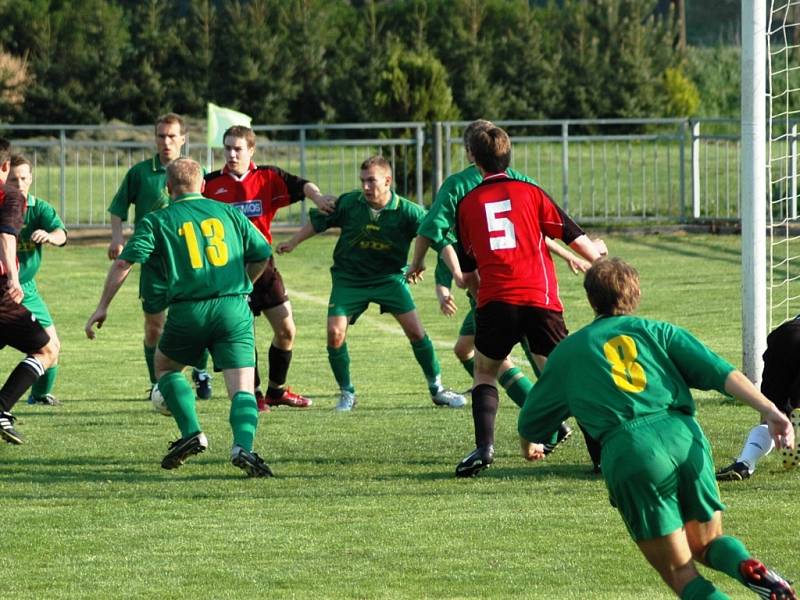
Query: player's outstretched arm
780, 428
117, 274
305, 232
575, 263
57, 237
326, 203
589, 249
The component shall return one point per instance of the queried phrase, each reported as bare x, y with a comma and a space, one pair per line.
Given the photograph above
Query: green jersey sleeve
141, 244
545, 407
122, 199
700, 367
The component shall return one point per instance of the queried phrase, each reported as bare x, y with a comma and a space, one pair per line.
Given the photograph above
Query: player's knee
463, 349
336, 337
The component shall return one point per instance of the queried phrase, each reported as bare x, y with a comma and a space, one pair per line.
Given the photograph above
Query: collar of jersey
189, 196
31, 200
241, 177
391, 205
157, 166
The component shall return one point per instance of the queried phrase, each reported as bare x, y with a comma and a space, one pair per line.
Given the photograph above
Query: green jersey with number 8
200, 246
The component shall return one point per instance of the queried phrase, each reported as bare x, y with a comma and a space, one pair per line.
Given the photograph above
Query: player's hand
114, 250
578, 265
781, 430
14, 291
601, 247
326, 203
414, 273
530, 451
284, 248
98, 317
40, 236
448, 306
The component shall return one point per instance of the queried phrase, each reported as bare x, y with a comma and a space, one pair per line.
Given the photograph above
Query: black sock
258, 376
593, 446
485, 401
22, 377
279, 361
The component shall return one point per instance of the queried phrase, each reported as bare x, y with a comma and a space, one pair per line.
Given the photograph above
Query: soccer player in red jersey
259, 191
18, 327
502, 225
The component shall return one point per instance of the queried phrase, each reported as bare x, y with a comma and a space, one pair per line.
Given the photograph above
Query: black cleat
7, 431
476, 461
765, 583
564, 432
202, 384
250, 462
181, 449
733, 472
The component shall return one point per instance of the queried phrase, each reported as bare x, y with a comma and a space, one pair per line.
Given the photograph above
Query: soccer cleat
476, 461
181, 449
564, 432
765, 583
791, 456
202, 384
737, 471
261, 401
250, 462
46, 400
7, 431
347, 401
445, 397
289, 398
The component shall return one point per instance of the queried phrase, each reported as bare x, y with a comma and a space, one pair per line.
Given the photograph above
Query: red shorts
268, 291
18, 327
499, 326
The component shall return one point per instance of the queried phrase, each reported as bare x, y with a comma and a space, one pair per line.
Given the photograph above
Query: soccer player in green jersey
369, 262
209, 254
42, 226
144, 188
626, 380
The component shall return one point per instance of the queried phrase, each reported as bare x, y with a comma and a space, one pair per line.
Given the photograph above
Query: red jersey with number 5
502, 225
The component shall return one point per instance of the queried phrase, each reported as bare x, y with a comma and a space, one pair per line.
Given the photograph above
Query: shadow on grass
687, 246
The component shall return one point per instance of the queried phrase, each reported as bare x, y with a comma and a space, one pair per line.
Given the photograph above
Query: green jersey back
40, 215
617, 369
200, 246
440, 222
373, 246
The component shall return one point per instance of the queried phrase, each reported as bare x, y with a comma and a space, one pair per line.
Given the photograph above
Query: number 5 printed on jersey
627, 374
502, 224
216, 250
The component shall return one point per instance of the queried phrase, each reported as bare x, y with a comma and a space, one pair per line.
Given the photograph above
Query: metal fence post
437, 158
682, 170
420, 179
448, 168
565, 165
696, 170
62, 180
303, 215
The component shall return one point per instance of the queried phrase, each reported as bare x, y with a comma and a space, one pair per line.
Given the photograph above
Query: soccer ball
158, 402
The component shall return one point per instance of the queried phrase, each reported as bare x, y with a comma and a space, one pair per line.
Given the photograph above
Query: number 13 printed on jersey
216, 250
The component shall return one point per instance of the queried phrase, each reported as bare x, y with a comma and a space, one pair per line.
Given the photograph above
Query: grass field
363, 505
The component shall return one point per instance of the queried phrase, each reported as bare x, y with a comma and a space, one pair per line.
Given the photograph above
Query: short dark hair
473, 128
612, 287
19, 159
5, 150
376, 161
491, 149
169, 119
241, 131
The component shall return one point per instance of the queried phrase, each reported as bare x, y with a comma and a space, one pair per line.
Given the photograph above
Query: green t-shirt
144, 186
199, 246
617, 369
40, 215
440, 222
372, 248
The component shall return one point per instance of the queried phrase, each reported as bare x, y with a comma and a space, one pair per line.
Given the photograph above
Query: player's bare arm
780, 428
8, 262
325, 202
530, 450
417, 266
57, 237
305, 232
255, 269
117, 274
587, 248
575, 263
446, 302
117, 241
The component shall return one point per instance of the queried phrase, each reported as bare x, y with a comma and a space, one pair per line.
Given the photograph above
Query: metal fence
601, 170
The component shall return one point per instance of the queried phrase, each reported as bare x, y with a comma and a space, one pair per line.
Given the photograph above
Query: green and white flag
219, 119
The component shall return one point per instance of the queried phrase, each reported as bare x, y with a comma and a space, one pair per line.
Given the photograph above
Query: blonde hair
184, 176
612, 287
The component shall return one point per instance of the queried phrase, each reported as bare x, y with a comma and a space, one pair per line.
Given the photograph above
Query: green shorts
660, 474
393, 297
152, 290
468, 324
34, 303
223, 326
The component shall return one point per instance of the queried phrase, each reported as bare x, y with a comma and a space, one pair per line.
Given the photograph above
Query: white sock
759, 443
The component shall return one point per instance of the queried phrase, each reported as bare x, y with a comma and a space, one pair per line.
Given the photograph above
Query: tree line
306, 61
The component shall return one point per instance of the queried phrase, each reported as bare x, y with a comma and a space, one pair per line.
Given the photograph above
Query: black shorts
19, 328
780, 381
268, 291
498, 326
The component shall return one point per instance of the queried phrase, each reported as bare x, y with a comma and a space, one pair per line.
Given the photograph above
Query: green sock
244, 419
426, 357
702, 589
725, 554
516, 385
339, 359
150, 358
179, 396
44, 385
469, 365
